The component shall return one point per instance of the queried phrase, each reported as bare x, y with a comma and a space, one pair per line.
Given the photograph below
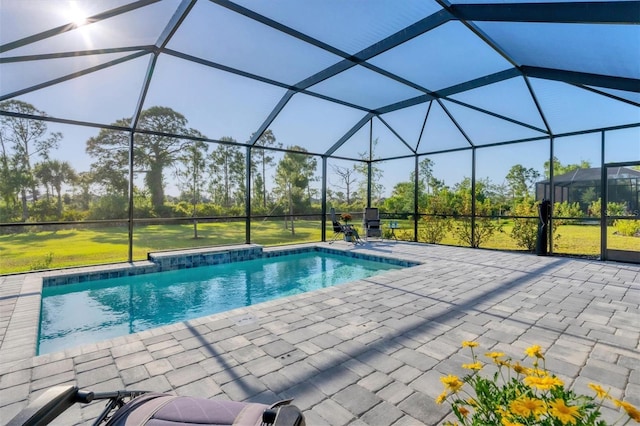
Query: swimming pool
88, 312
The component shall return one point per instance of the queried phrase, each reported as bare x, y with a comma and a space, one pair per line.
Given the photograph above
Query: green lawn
87, 246
571, 239
73, 247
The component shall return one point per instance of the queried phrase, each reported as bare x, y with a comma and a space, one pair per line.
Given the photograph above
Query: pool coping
20, 339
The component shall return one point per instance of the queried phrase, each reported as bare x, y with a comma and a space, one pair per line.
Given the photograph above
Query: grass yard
570, 239
89, 246
40, 249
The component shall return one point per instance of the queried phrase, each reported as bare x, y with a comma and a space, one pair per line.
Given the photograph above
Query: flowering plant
517, 395
346, 217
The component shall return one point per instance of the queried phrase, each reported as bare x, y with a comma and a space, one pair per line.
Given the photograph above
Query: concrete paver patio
369, 352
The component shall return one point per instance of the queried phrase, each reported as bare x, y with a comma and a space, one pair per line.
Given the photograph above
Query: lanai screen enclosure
136, 126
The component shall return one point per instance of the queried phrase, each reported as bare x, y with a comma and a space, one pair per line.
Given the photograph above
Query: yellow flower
632, 411
538, 372
475, 366
507, 422
534, 351
440, 399
467, 344
520, 369
463, 411
452, 383
472, 402
502, 412
563, 412
599, 390
526, 407
494, 355
542, 383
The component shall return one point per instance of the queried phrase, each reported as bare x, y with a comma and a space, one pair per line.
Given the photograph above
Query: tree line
211, 178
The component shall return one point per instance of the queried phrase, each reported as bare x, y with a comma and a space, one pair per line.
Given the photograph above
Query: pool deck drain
366, 352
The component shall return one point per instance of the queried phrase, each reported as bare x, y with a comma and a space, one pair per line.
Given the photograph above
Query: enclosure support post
323, 223
369, 163
415, 200
552, 194
130, 255
473, 197
603, 201
247, 197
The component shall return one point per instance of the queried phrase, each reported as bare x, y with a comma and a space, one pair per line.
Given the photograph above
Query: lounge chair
345, 230
145, 408
371, 223
338, 229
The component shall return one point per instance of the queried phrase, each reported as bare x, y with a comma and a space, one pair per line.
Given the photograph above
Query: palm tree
56, 173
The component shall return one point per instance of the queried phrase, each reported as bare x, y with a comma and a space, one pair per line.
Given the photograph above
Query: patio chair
346, 230
338, 229
131, 408
371, 223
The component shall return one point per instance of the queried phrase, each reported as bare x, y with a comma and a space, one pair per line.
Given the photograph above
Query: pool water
89, 312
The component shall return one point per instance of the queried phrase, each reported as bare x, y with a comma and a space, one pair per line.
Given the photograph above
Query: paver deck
369, 352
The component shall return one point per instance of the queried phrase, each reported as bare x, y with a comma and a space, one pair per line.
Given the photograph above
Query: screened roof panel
23, 75
357, 146
138, 27
349, 26
313, 123
595, 49
389, 145
216, 103
362, 87
484, 129
309, 42
623, 94
217, 34
440, 133
569, 108
408, 122
100, 97
448, 55
509, 98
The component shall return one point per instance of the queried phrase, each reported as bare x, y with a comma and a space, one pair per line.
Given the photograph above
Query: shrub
44, 210
434, 229
401, 234
109, 207
566, 210
182, 209
485, 225
72, 215
525, 231
613, 209
628, 228
519, 395
9, 213
617, 209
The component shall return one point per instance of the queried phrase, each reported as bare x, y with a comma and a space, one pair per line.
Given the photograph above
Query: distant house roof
593, 173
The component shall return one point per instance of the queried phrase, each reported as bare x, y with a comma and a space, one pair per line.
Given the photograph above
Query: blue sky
222, 104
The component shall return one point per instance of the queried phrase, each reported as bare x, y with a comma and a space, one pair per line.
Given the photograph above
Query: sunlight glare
76, 15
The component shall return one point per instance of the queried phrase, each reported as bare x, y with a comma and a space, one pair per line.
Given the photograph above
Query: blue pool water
89, 312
